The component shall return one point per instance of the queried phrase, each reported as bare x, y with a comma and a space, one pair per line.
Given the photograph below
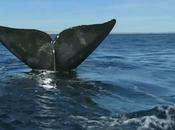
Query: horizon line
120, 33
142, 33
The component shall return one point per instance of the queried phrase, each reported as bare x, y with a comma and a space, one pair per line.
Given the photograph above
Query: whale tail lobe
72, 47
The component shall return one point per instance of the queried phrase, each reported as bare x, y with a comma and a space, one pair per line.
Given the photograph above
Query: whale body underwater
66, 52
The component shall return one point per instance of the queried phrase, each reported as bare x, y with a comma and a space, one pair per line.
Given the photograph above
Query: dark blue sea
128, 83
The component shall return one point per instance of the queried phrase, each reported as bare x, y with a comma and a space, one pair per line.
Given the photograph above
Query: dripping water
54, 52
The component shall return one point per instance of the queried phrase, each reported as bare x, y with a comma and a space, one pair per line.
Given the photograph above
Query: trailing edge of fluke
69, 49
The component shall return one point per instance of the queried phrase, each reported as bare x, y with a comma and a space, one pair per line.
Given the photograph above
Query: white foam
46, 83
147, 122
152, 122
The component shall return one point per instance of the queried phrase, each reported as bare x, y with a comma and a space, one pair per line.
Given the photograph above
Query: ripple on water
158, 118
126, 74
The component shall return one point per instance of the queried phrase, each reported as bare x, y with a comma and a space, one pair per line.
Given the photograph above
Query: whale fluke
69, 49
31, 46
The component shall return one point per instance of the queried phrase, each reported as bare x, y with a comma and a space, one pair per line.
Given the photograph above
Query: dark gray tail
72, 47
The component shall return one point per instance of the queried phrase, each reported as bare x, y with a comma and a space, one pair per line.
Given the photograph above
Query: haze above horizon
151, 16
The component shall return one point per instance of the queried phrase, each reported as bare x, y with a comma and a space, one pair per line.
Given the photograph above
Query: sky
133, 16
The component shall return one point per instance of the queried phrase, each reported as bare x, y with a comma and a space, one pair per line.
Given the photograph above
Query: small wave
159, 99
158, 118
2, 67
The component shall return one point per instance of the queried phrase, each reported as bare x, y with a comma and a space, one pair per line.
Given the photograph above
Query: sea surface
128, 83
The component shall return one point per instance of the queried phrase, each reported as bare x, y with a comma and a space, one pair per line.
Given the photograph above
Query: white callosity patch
81, 38
82, 41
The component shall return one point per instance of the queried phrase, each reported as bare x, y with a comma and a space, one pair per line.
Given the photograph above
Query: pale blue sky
56, 15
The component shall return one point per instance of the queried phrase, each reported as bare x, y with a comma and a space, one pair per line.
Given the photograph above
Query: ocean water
128, 83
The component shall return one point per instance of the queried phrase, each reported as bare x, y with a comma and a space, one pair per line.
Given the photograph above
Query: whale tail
71, 47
